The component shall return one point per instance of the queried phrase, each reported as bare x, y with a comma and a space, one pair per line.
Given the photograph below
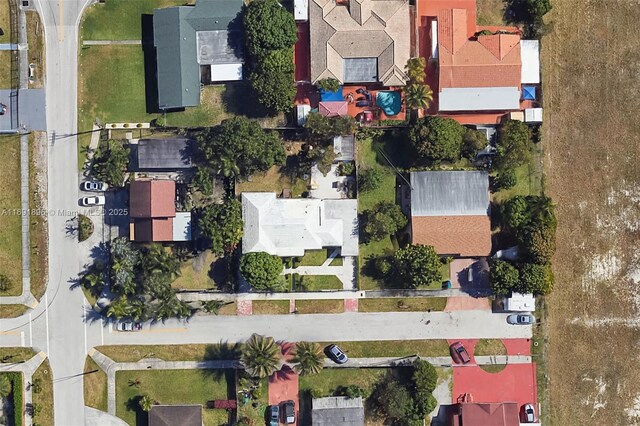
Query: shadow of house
150, 65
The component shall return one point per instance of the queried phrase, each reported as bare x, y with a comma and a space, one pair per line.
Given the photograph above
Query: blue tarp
529, 93
336, 96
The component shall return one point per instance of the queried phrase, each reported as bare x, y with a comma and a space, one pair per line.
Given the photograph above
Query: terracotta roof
465, 236
486, 414
332, 109
158, 229
152, 198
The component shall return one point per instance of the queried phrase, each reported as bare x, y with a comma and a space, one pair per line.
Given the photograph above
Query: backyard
10, 235
187, 387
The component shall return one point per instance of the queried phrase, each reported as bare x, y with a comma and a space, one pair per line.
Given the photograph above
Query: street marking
46, 317
61, 23
9, 332
22, 339
30, 332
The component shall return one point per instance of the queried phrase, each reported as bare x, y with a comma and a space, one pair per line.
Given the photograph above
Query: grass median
10, 217
411, 304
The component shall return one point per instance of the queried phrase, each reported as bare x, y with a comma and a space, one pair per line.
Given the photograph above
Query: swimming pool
390, 102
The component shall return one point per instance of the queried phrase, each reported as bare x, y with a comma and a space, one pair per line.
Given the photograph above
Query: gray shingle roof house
175, 415
164, 154
288, 227
362, 41
337, 410
195, 43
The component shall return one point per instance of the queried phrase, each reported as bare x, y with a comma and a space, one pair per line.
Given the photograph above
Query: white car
529, 413
92, 201
94, 186
128, 326
521, 319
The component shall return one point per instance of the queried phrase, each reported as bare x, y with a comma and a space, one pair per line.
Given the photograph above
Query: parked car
459, 353
529, 413
521, 319
274, 415
128, 326
336, 354
94, 186
92, 201
289, 412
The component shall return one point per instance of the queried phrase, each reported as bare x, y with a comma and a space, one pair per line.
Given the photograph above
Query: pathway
109, 42
27, 369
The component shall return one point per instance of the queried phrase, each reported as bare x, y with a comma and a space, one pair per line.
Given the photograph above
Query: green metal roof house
194, 45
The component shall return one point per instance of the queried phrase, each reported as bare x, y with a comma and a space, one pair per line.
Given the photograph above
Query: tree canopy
240, 147
370, 179
504, 277
273, 80
522, 278
222, 224
513, 145
416, 265
321, 128
384, 219
260, 356
110, 163
436, 139
532, 220
262, 271
472, 142
268, 26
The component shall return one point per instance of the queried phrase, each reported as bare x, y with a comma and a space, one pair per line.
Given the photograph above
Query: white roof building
519, 302
288, 227
530, 56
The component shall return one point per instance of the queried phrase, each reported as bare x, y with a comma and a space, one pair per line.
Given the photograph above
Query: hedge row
16, 391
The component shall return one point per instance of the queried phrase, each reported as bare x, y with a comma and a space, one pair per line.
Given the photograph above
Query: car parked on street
92, 201
521, 319
128, 326
459, 354
274, 415
94, 186
336, 354
289, 412
529, 413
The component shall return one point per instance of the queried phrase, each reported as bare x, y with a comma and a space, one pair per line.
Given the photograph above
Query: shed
302, 111
301, 10
337, 410
533, 115
344, 147
530, 56
519, 302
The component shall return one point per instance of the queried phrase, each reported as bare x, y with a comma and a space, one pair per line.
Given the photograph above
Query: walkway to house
344, 272
27, 369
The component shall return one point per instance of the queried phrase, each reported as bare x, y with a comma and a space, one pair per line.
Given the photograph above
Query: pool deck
354, 110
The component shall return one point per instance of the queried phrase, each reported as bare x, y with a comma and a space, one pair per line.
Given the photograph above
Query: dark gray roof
360, 70
174, 33
449, 193
337, 410
167, 154
175, 415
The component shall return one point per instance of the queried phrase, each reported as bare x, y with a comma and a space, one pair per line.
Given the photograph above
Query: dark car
459, 353
274, 415
336, 354
289, 412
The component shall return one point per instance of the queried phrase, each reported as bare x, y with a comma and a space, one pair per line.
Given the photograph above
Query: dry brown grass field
591, 137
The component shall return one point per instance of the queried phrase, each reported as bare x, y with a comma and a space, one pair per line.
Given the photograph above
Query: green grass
17, 354
337, 261
270, 307
175, 387
38, 231
10, 231
413, 304
119, 19
314, 257
5, 21
488, 347
529, 177
192, 352
320, 306
328, 380
12, 311
194, 273
321, 282
273, 180
5, 69
493, 368
45, 397
95, 386
395, 348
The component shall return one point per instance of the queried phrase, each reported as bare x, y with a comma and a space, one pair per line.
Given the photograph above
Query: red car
459, 353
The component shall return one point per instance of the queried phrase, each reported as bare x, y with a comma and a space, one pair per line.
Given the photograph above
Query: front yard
10, 231
412, 304
395, 348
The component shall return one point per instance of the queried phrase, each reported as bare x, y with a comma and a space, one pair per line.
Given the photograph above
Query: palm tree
119, 308
146, 402
228, 167
260, 356
5, 386
308, 358
418, 96
157, 259
415, 70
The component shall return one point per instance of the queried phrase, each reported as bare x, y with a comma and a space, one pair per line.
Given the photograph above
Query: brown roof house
450, 211
359, 41
152, 211
483, 414
175, 415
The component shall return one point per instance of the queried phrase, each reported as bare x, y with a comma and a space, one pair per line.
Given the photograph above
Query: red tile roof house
483, 414
153, 215
450, 211
480, 70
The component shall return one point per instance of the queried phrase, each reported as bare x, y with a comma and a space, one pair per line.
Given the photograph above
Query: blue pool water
390, 102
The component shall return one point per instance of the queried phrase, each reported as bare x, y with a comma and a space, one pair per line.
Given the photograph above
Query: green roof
174, 34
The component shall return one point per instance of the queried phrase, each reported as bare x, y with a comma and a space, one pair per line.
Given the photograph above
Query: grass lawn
270, 307
5, 21
45, 397
17, 354
329, 379
489, 347
193, 352
174, 387
194, 273
337, 261
38, 232
367, 158
5, 69
229, 309
493, 368
272, 181
320, 306
12, 311
35, 36
314, 257
120, 19
490, 12
529, 177
321, 282
95, 386
395, 348
10, 231
256, 413
413, 304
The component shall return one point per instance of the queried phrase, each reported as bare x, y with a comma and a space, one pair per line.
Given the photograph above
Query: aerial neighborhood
274, 212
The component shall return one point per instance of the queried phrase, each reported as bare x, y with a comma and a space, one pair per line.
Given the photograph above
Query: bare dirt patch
591, 137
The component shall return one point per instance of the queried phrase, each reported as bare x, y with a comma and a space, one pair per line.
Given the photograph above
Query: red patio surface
517, 346
355, 110
283, 384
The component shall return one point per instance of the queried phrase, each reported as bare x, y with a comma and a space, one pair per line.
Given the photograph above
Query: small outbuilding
337, 410
519, 302
175, 415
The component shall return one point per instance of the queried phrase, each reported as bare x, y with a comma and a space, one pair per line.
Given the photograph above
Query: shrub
536, 279
5, 283
139, 125
505, 179
539, 244
85, 227
347, 168
370, 179
425, 376
328, 84
386, 218
416, 265
262, 271
222, 224
513, 146
322, 128
504, 277
110, 163
326, 159
472, 142
436, 139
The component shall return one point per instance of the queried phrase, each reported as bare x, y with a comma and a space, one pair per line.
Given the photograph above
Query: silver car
521, 319
92, 201
94, 186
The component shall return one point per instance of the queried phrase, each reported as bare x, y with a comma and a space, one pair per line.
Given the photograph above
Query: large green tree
415, 70
222, 225
370, 179
272, 80
261, 356
308, 358
513, 145
425, 376
416, 265
321, 128
240, 147
384, 219
536, 279
263, 271
393, 401
418, 96
268, 26
436, 139
504, 277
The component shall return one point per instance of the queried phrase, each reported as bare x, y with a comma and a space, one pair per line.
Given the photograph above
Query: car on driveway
529, 413
336, 354
94, 186
459, 353
128, 326
289, 410
274, 415
92, 201
521, 319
